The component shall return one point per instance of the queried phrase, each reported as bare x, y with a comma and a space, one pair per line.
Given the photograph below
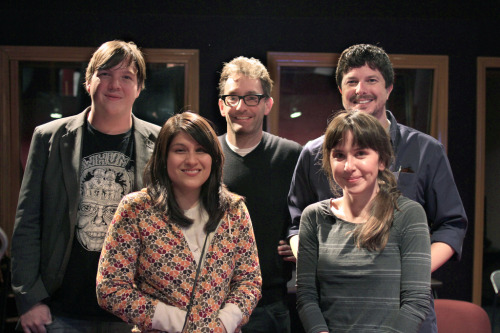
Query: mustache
357, 98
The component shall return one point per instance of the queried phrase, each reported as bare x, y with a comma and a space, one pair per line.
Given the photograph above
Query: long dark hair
214, 196
367, 132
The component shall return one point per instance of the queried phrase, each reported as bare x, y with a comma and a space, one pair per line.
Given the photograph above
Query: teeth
242, 118
191, 171
364, 101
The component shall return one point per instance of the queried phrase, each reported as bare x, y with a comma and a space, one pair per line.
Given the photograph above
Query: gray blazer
48, 202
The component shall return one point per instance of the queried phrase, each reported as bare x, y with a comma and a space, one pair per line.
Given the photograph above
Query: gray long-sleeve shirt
342, 288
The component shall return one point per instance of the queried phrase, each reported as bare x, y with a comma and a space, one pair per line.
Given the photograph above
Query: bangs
117, 57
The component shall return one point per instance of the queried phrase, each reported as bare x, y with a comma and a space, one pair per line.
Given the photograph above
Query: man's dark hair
365, 54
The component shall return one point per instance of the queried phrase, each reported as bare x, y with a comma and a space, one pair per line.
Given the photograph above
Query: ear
381, 166
341, 90
87, 86
389, 90
269, 105
138, 92
221, 108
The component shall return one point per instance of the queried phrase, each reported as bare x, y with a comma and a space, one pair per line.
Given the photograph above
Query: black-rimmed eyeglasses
250, 100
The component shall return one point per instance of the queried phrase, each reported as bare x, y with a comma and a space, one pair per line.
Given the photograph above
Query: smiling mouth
242, 118
191, 172
352, 180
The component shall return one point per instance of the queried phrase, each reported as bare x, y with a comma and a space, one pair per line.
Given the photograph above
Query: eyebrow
252, 92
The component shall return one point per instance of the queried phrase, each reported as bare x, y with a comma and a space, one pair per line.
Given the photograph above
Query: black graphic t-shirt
106, 175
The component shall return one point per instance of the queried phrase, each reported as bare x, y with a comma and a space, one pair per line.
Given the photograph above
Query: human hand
286, 251
35, 319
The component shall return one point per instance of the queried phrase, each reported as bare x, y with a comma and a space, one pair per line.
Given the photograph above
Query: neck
356, 208
109, 124
384, 121
242, 140
187, 200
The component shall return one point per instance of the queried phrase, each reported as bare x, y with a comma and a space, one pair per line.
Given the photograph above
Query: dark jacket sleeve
26, 240
309, 183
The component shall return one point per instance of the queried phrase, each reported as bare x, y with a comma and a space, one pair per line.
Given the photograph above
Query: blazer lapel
144, 146
71, 154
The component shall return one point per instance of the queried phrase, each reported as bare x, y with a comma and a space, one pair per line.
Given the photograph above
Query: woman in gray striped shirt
364, 258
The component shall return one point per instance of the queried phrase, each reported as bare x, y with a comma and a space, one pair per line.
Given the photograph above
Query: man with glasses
259, 166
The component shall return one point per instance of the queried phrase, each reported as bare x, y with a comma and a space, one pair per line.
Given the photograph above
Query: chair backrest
495, 280
461, 317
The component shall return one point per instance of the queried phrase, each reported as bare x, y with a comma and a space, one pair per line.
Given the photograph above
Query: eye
338, 155
251, 98
201, 150
361, 153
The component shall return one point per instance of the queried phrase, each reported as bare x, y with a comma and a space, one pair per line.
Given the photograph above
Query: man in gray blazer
77, 171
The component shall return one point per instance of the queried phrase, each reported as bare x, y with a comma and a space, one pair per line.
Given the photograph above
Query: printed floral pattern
145, 259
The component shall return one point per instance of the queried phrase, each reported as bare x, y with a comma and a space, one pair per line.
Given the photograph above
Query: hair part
112, 53
367, 132
249, 67
214, 196
360, 55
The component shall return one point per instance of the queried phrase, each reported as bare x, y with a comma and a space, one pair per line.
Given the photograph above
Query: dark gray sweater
263, 177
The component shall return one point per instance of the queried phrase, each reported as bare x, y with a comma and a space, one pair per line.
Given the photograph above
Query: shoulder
61, 125
314, 147
315, 144
321, 208
424, 141
409, 212
145, 128
275, 142
137, 199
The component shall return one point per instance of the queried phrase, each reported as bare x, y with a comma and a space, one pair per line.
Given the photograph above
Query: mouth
352, 179
362, 100
113, 97
191, 172
242, 118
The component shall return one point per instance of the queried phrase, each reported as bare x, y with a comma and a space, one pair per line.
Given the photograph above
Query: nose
240, 104
114, 83
360, 88
190, 158
349, 164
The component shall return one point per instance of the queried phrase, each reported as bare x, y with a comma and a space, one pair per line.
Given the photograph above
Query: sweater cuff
231, 316
168, 318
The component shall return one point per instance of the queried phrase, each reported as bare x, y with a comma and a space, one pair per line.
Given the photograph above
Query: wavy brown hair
214, 196
367, 133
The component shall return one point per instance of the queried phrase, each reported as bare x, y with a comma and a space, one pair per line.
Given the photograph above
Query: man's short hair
249, 67
365, 54
110, 54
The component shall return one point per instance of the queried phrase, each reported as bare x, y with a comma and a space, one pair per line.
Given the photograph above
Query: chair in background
461, 317
495, 281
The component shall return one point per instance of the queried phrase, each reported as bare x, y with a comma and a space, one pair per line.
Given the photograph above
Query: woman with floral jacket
180, 255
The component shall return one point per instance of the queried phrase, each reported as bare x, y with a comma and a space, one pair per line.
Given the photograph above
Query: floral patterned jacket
145, 259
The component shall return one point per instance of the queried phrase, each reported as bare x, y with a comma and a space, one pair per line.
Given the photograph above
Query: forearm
294, 244
245, 287
440, 253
